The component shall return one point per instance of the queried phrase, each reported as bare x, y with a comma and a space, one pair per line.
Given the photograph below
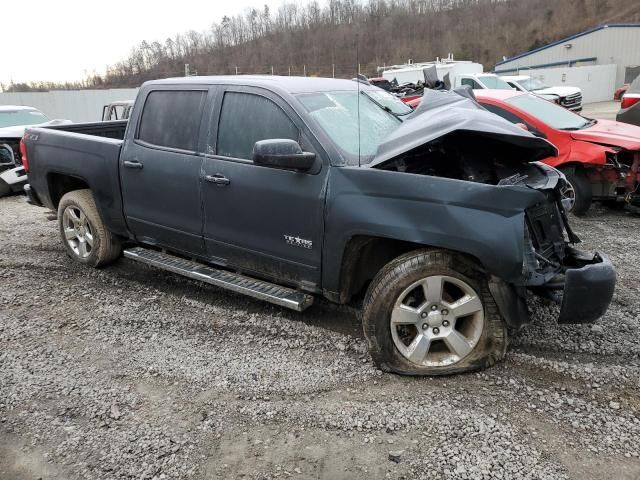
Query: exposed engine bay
471, 157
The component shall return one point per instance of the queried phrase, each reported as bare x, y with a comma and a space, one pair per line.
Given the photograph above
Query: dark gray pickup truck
439, 220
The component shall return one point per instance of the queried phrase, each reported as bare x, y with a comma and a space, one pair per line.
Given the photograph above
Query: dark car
287, 188
630, 104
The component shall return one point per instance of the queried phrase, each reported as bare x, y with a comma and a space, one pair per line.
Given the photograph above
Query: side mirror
282, 153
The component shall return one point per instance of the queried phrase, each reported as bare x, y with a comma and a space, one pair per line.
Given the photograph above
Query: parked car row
454, 74
438, 220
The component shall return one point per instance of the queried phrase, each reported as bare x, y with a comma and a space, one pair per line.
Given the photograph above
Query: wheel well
574, 165
363, 258
60, 184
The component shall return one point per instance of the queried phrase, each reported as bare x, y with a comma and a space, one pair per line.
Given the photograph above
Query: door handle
218, 179
130, 164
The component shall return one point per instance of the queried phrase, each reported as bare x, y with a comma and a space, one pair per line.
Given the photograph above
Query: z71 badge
298, 242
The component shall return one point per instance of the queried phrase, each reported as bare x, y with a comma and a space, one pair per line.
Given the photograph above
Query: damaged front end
452, 137
553, 268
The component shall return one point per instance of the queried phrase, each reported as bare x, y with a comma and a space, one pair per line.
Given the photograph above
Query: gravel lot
130, 372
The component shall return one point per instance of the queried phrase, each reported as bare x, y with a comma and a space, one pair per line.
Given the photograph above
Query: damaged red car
600, 158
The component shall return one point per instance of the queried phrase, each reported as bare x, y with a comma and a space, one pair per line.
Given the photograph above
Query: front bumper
588, 288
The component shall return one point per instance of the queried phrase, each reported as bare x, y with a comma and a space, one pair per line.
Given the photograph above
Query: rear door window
171, 118
246, 118
472, 83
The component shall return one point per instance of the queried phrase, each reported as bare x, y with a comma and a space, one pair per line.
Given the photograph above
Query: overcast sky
64, 40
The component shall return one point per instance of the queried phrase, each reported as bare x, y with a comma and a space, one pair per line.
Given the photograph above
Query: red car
600, 158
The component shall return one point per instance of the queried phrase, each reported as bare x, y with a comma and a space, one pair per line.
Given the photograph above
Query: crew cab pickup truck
566, 96
435, 219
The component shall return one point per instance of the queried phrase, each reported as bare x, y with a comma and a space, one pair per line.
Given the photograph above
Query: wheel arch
365, 255
109, 206
59, 184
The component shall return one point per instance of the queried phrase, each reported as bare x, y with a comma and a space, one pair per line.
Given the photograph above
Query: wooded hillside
320, 38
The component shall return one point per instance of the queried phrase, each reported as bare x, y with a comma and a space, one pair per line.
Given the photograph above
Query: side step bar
285, 297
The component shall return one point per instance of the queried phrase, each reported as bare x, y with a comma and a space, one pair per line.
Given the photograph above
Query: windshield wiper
590, 123
385, 108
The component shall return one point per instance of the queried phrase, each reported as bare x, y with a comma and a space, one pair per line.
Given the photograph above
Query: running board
236, 282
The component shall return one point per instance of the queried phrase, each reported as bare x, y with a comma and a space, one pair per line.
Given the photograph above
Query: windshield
553, 115
389, 102
491, 81
13, 118
337, 114
532, 84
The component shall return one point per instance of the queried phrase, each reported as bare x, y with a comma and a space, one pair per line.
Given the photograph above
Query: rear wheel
577, 191
431, 313
84, 235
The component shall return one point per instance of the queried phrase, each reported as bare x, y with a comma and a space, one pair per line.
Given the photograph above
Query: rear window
171, 118
13, 118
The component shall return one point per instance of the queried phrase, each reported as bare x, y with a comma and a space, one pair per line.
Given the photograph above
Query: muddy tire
578, 190
430, 312
82, 231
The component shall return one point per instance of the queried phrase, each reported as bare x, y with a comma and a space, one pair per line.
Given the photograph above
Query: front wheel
83, 233
430, 312
577, 191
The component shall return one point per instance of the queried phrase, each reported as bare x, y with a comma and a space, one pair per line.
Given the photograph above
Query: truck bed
111, 129
85, 154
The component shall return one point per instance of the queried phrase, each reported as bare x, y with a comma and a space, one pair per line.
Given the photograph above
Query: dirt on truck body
286, 189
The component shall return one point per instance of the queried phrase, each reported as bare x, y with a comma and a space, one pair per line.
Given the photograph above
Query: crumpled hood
609, 132
560, 91
18, 130
443, 112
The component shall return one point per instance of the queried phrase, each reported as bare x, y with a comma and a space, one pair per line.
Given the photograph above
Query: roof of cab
13, 108
515, 78
498, 94
285, 83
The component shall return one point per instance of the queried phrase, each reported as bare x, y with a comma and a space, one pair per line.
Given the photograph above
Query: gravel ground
130, 372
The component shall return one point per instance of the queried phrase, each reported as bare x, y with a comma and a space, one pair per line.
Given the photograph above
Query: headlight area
582, 283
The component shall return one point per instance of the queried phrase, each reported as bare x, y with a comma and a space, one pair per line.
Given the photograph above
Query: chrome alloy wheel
437, 321
567, 192
77, 231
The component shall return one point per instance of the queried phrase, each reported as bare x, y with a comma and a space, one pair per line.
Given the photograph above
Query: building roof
572, 37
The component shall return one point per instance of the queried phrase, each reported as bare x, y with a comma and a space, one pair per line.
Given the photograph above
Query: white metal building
617, 44
75, 105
